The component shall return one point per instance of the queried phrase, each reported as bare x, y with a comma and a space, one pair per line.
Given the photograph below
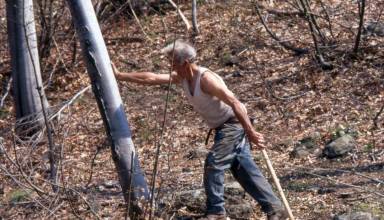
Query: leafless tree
31, 103
361, 4
194, 18
24, 58
109, 101
315, 33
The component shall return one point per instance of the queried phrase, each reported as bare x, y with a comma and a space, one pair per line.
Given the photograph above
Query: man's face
175, 66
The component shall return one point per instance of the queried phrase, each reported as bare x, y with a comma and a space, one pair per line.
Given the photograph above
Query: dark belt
231, 120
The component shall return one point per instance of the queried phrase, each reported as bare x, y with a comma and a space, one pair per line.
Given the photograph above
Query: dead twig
181, 14
328, 18
7, 88
69, 102
298, 51
291, 13
284, 98
342, 183
376, 118
353, 172
138, 21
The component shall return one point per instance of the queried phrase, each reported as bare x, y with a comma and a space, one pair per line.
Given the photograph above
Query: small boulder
233, 189
242, 210
194, 200
304, 148
284, 144
375, 28
236, 204
230, 60
109, 184
339, 147
356, 216
200, 152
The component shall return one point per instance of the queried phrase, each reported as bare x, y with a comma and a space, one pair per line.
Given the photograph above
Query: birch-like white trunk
25, 58
109, 101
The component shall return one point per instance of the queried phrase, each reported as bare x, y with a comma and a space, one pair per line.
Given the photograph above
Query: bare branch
181, 14
298, 51
138, 21
319, 55
376, 118
7, 88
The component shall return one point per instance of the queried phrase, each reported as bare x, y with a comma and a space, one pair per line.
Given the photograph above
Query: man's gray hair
181, 50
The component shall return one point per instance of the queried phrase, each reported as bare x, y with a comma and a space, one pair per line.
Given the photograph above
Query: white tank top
214, 111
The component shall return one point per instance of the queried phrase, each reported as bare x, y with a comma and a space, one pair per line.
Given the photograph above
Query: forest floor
290, 96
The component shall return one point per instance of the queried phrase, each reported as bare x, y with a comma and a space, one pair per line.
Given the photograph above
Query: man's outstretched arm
211, 85
145, 77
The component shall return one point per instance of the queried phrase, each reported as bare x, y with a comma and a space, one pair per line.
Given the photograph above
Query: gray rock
100, 188
233, 189
237, 74
236, 204
242, 210
324, 190
315, 135
200, 152
375, 28
194, 200
304, 148
339, 147
109, 184
230, 60
284, 144
356, 216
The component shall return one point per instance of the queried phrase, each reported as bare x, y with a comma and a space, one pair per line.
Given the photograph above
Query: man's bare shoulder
211, 81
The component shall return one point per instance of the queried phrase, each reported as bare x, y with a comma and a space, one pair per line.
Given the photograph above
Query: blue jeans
231, 150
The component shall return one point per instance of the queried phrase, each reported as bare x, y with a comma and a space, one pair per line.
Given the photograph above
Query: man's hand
257, 139
115, 71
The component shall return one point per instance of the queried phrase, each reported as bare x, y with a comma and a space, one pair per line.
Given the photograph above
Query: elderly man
224, 113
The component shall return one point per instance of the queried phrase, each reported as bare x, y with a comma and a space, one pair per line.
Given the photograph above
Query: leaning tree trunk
109, 101
25, 59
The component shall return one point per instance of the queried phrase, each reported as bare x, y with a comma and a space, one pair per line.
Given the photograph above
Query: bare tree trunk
194, 18
319, 55
25, 59
109, 101
361, 23
314, 22
29, 95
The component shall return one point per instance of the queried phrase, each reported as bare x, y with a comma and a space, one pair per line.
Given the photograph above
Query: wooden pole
277, 183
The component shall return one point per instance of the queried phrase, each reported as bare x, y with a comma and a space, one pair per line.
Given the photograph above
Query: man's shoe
215, 217
278, 215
